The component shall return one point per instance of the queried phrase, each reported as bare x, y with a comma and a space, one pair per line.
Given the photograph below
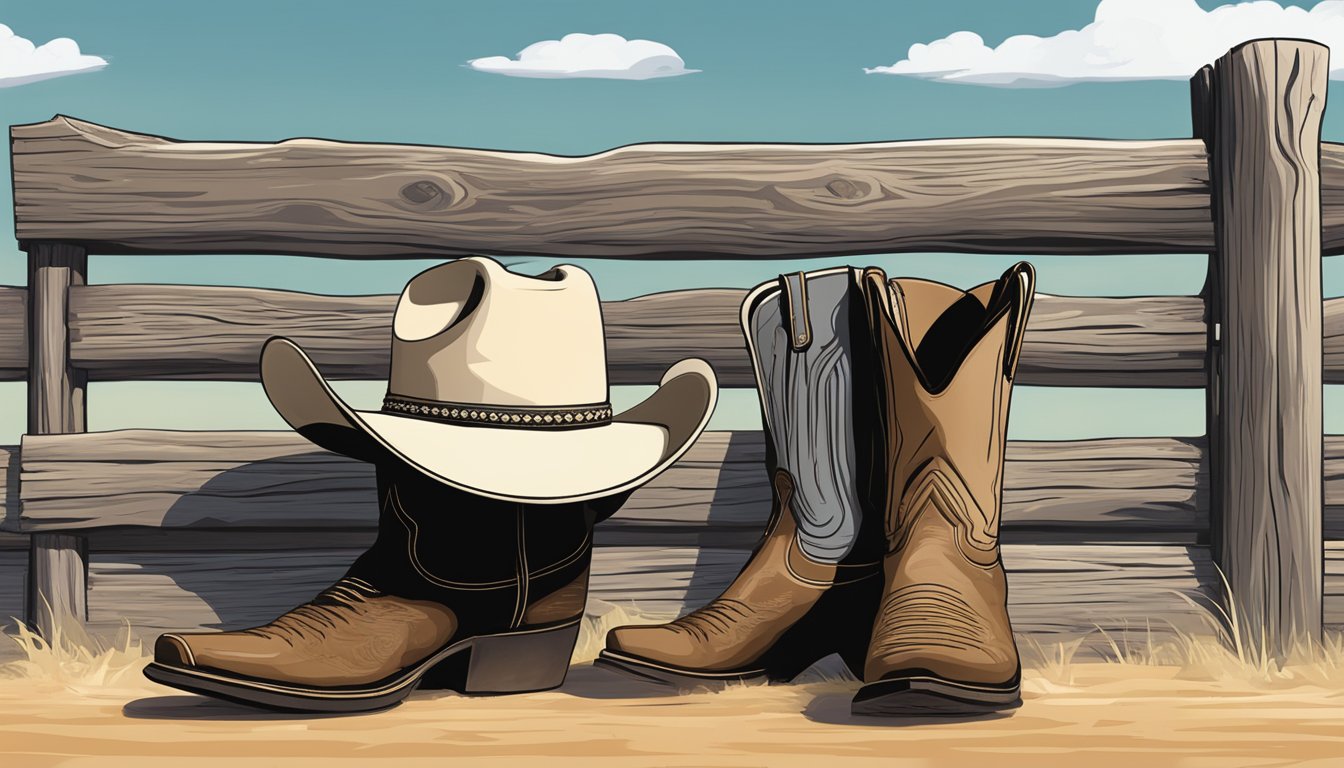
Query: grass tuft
601, 617
72, 657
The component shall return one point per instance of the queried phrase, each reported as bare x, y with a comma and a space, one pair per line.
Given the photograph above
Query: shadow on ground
833, 708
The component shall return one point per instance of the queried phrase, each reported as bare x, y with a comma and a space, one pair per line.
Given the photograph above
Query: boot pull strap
793, 290
1023, 296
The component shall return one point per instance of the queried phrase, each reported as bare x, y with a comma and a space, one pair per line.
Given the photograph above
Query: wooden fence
180, 529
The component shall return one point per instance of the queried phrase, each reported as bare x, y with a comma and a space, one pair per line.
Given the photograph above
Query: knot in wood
844, 188
421, 192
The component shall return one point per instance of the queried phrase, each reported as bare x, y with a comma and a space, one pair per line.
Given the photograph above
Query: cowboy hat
498, 387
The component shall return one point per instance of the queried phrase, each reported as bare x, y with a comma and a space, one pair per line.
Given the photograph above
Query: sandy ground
1109, 714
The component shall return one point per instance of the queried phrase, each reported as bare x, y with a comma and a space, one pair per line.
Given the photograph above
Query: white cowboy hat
498, 386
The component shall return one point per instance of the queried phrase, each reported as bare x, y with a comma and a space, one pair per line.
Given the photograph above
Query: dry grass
1222, 652
1161, 698
73, 657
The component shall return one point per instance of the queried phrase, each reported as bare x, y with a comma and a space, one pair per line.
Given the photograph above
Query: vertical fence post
57, 562
1202, 110
1263, 123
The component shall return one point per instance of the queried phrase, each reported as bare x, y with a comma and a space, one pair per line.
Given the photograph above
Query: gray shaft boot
811, 586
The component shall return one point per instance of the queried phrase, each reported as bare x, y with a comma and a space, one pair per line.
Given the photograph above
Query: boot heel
514, 662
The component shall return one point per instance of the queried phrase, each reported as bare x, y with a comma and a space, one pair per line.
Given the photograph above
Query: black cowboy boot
459, 592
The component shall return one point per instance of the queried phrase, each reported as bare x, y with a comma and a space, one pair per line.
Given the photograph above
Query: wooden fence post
1202, 111
1263, 124
57, 562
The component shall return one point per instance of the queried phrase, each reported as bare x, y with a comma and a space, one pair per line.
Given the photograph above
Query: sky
401, 71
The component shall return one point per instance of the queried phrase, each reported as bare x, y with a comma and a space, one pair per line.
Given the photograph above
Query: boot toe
654, 642
173, 651
231, 652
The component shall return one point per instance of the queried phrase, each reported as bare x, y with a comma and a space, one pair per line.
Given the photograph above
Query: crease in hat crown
472, 333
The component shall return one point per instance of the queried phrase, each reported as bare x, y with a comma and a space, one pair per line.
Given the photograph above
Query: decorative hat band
478, 415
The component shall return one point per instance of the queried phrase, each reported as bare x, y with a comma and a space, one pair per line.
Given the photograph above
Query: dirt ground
1109, 714
82, 701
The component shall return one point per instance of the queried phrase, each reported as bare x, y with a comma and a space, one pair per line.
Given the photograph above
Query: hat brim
510, 464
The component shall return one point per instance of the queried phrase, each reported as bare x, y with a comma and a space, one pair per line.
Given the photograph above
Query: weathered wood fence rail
176, 529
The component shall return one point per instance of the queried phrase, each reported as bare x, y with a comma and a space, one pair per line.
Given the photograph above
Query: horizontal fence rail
1140, 487
13, 333
122, 192
277, 479
134, 332
186, 332
1134, 593
1123, 487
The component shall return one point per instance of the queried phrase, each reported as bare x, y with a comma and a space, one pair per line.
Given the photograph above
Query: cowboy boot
942, 643
812, 582
460, 592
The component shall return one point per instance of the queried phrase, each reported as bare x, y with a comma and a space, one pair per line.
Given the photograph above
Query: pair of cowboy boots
885, 408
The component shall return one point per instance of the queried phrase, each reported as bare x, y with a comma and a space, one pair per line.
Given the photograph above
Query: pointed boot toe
173, 651
668, 655
649, 641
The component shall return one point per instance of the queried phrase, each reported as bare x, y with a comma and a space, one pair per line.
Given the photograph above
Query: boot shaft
811, 347
947, 360
494, 563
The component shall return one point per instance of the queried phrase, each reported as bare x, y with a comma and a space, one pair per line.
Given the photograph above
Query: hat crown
470, 331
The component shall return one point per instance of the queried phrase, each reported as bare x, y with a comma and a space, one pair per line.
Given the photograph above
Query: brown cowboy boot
811, 585
459, 592
942, 643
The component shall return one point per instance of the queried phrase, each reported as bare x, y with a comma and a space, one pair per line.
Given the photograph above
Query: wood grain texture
1124, 488
56, 389
132, 332
1203, 111
124, 192
1332, 197
1269, 97
1056, 593
335, 188
1333, 588
13, 333
202, 332
9, 476
13, 580
57, 581
744, 453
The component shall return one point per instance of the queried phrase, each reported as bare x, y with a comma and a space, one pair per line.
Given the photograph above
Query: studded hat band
521, 417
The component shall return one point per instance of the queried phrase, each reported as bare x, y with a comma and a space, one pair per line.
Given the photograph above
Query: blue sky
393, 71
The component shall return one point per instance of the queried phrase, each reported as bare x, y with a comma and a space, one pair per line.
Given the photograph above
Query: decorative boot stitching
947, 495
717, 618
413, 533
928, 614
856, 572
567, 559
795, 550
362, 584
521, 605
335, 604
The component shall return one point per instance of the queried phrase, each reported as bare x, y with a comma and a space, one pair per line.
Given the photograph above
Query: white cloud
21, 62
1128, 40
579, 55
